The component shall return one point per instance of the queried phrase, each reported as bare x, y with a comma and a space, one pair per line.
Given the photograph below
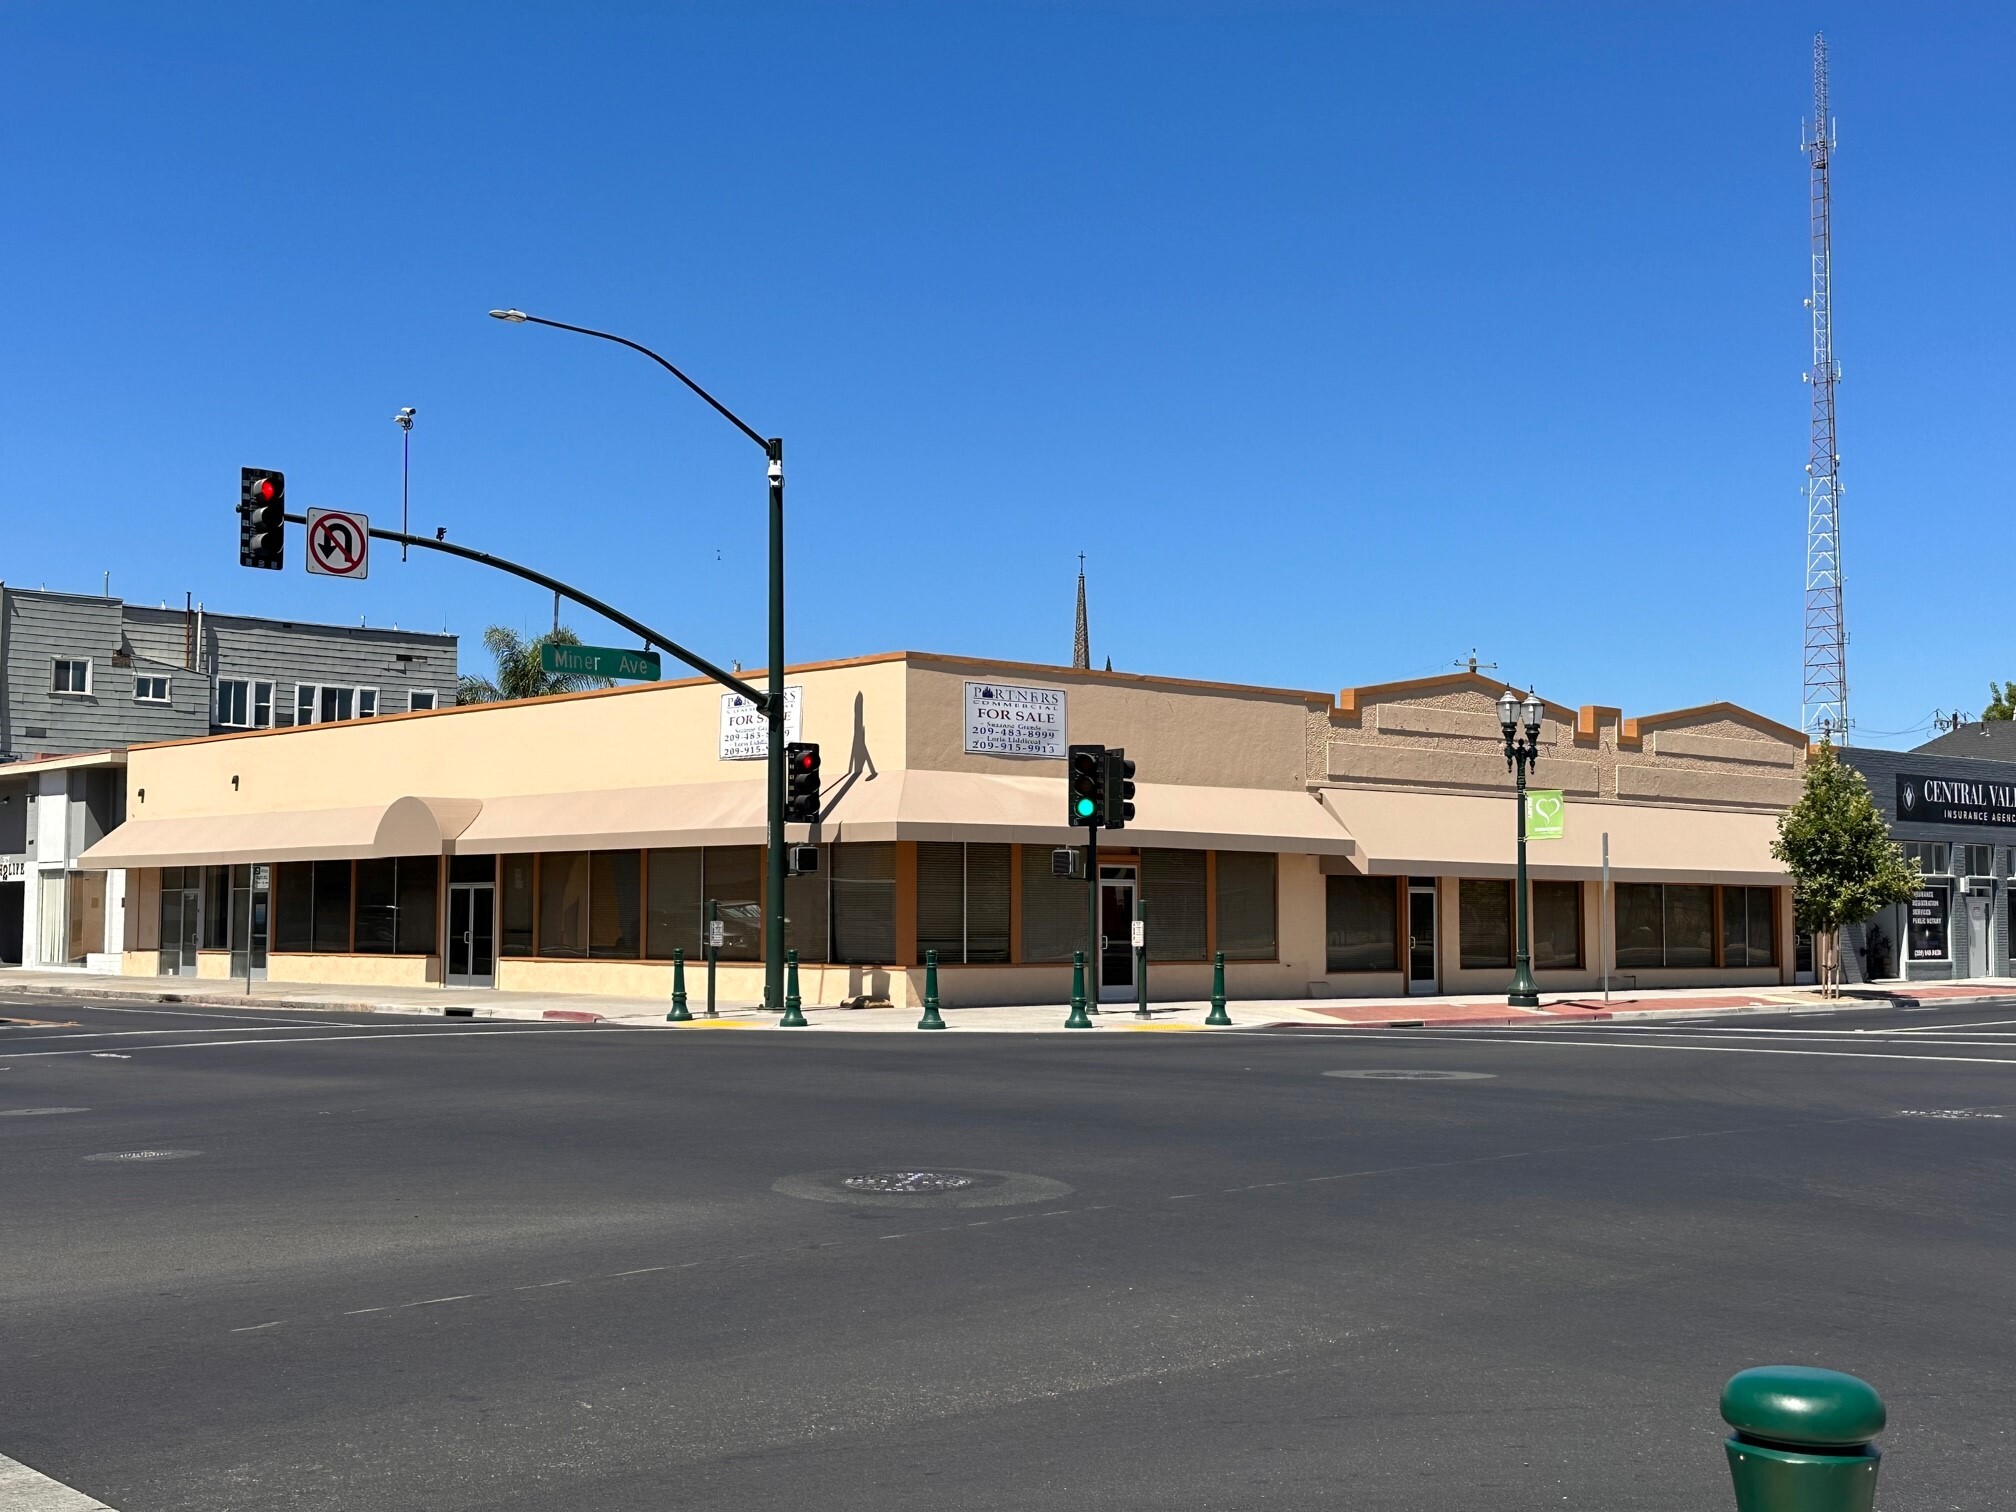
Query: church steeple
1081, 640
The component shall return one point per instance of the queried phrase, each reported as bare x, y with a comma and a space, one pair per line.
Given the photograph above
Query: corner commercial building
1356, 844
82, 676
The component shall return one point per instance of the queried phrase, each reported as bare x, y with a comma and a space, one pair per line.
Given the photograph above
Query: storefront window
1361, 924
1748, 938
1641, 924
734, 880
962, 901
1173, 884
1690, 926
514, 905
332, 907
615, 905
396, 902
1484, 910
1980, 860
805, 914
419, 904
293, 906
1557, 926
1053, 909
1246, 905
563, 904
216, 907
864, 903
86, 914
674, 910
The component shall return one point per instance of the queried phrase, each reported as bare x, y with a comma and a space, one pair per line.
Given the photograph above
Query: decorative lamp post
1520, 755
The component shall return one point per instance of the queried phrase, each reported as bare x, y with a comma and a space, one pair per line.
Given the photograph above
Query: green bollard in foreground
679, 1013
1218, 1016
1078, 1019
1802, 1439
793, 1018
931, 1020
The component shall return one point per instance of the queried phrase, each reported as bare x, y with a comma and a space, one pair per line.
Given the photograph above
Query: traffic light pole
1096, 956
638, 628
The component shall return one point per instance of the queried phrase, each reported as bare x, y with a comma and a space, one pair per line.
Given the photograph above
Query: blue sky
1342, 338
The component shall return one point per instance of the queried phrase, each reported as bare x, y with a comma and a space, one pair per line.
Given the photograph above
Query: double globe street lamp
1519, 756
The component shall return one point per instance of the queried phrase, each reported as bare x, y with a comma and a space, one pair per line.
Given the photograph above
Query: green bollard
931, 1020
1802, 1439
679, 1013
1078, 1019
1218, 1016
793, 1018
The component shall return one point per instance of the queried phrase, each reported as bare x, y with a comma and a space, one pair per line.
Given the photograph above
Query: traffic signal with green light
1118, 790
1086, 786
262, 517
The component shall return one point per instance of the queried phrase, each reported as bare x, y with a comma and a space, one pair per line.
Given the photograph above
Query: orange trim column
906, 903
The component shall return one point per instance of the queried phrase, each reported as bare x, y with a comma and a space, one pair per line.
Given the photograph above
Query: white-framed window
420, 698
243, 704
324, 703
148, 688
70, 676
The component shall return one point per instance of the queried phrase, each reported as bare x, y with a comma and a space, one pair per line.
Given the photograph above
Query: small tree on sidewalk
1843, 862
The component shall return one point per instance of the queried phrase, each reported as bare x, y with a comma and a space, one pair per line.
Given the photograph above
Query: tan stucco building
1329, 846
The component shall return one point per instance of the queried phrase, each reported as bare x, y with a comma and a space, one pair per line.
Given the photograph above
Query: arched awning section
403, 827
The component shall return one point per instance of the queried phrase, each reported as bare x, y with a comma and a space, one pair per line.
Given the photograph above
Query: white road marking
1945, 1028
22, 1039
1647, 1044
235, 1018
434, 1301
26, 1490
255, 1327
642, 1270
37, 1112
335, 1039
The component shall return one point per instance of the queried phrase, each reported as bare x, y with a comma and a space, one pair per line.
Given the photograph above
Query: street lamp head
516, 317
1534, 709
1508, 711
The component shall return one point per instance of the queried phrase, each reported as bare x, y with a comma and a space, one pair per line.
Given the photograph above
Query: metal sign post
714, 938
1603, 920
1141, 959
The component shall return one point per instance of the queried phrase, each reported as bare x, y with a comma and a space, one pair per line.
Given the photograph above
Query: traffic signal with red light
262, 517
801, 783
1118, 791
1085, 786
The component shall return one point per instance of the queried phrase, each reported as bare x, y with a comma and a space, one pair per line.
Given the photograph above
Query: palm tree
519, 674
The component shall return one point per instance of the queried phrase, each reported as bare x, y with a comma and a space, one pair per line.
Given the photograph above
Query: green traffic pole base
793, 1018
1078, 1020
1803, 1439
1218, 1017
679, 1014
931, 1019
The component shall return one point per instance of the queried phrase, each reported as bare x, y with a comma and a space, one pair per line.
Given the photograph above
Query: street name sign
1545, 814
598, 661
339, 543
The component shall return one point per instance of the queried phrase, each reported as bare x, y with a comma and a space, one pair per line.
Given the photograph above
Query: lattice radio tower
1824, 709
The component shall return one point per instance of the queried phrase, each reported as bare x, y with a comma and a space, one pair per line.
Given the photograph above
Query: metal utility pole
1824, 707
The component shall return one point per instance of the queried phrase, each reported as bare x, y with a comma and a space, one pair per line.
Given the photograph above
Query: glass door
1116, 933
251, 893
472, 934
1421, 976
181, 913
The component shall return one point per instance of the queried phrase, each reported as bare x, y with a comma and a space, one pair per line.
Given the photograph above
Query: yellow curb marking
1164, 1028
713, 1024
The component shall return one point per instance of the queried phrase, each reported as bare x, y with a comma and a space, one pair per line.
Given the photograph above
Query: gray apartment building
83, 676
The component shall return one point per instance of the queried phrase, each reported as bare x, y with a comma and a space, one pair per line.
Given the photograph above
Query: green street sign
1545, 813
599, 661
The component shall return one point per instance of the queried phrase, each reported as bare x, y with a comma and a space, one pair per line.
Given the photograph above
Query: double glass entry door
472, 934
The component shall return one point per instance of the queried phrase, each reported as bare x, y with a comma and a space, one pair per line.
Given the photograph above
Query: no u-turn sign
339, 543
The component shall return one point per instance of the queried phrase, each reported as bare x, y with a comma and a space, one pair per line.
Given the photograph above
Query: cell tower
1824, 709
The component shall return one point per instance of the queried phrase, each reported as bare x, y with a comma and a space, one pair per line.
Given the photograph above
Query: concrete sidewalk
1333, 1013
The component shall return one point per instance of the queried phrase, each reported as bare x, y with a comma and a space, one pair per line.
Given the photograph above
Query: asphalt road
398, 1264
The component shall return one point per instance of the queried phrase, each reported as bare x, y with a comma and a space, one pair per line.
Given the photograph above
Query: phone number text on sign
1006, 719
745, 733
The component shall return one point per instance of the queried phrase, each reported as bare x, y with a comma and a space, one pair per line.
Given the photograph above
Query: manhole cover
1413, 1075
37, 1112
144, 1155
907, 1181
960, 1187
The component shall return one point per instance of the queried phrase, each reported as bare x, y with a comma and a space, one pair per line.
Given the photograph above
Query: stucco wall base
354, 970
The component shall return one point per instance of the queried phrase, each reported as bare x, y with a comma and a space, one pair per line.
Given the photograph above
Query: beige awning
900, 805
936, 805
693, 813
1448, 835
403, 827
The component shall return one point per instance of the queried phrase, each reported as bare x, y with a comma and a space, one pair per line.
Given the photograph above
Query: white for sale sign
745, 733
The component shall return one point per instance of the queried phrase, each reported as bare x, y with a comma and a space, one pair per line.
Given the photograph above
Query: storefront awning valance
1447, 835
403, 827
899, 805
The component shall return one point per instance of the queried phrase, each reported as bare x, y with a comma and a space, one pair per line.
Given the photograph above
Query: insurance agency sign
1941, 800
1006, 719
